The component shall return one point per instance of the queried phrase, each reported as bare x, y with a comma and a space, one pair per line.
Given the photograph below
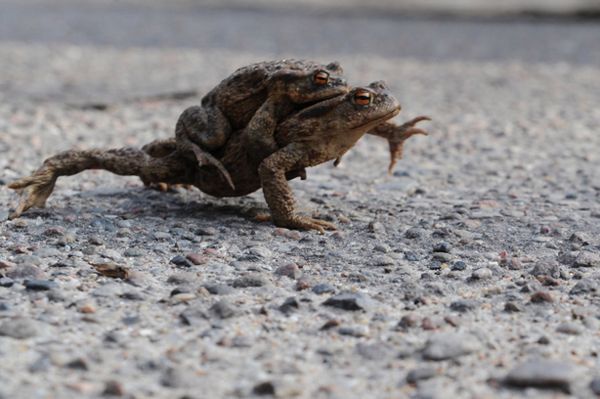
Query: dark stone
444, 346
113, 388
182, 289
40, 285
408, 321
181, 261
464, 305
459, 265
411, 256
414, 232
421, 373
194, 316
249, 281
442, 246
289, 305
218, 289
264, 389
6, 282
595, 386
542, 373
348, 301
207, 231
222, 309
541, 297
323, 288
546, 269
132, 296
77, 364
290, 270
584, 286
512, 307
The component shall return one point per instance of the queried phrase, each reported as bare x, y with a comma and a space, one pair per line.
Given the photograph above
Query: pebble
482, 274
374, 351
354, 331
6, 282
349, 301
194, 316
464, 305
207, 231
24, 272
133, 252
408, 321
196, 258
222, 309
595, 386
40, 285
442, 256
587, 259
541, 297
415, 232
264, 389
584, 286
442, 246
218, 289
252, 280
542, 373
458, 265
569, 328
291, 270
512, 307
546, 269
289, 305
181, 278
113, 388
323, 288
181, 261
19, 328
419, 374
444, 346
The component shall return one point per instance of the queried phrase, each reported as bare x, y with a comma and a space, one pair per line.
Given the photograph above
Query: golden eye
321, 78
362, 97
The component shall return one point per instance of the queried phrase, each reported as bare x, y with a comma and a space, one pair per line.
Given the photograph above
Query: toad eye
362, 97
321, 78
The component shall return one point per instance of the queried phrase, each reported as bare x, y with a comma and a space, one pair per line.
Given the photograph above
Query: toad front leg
36, 189
277, 192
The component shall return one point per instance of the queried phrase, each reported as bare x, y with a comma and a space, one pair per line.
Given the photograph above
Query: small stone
256, 253
40, 285
587, 259
442, 256
290, 270
421, 373
464, 305
133, 252
408, 321
251, 280
444, 346
543, 340
196, 258
181, 278
414, 232
349, 301
289, 305
580, 238
595, 386
512, 307
357, 331
218, 289
77, 364
303, 283
181, 261
96, 240
541, 297
411, 256
194, 316
222, 309
18, 328
55, 231
384, 260
113, 388
132, 295
6, 282
207, 231
24, 271
329, 324
162, 236
264, 389
87, 309
375, 351
458, 265
482, 274
323, 288
546, 269
442, 246
584, 286
542, 373
569, 328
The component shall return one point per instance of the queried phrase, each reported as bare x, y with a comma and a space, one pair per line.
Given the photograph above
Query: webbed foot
34, 190
400, 135
306, 223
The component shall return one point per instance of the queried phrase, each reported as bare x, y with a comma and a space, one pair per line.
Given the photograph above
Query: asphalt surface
472, 272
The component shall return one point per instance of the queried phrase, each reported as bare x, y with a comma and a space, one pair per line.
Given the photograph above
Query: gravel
479, 252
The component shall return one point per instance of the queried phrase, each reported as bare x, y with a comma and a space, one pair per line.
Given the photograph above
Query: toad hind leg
36, 189
198, 133
278, 194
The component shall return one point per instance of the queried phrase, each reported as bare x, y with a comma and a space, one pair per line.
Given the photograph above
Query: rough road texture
473, 272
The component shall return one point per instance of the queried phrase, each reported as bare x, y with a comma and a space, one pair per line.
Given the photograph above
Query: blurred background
77, 51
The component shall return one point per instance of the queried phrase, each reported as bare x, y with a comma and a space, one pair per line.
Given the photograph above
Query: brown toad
255, 97
316, 134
